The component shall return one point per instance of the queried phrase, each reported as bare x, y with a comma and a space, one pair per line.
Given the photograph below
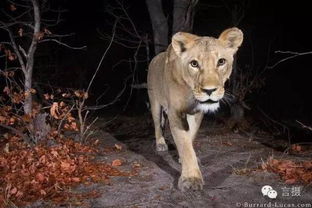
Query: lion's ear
181, 41
232, 38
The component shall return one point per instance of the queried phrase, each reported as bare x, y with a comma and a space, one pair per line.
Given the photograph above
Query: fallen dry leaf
20, 32
40, 177
76, 179
296, 148
118, 146
13, 191
117, 162
291, 181
291, 172
42, 192
54, 110
6, 90
28, 174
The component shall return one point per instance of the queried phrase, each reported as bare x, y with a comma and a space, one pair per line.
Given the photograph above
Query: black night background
89, 75
268, 27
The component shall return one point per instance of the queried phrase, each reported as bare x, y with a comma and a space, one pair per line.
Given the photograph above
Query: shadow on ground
228, 163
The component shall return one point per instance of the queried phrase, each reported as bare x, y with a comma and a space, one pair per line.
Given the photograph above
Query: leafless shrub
26, 26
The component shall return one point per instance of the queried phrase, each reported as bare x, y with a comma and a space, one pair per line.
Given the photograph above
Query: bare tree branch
139, 86
15, 48
97, 107
19, 133
37, 22
27, 24
19, 4
304, 126
6, 43
23, 51
63, 44
13, 19
28, 14
128, 18
103, 56
294, 55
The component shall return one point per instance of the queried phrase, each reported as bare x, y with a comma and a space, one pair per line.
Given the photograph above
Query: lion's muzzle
209, 95
208, 99
209, 91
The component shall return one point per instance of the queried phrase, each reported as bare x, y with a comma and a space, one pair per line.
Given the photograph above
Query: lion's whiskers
228, 98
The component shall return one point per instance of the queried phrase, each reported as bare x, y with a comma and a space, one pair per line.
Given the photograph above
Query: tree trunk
234, 77
28, 96
28, 73
237, 109
28, 83
159, 24
183, 15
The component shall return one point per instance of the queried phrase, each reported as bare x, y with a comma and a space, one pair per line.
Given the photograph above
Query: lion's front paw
190, 183
161, 147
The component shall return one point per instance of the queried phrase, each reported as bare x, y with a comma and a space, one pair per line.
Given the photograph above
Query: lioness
187, 81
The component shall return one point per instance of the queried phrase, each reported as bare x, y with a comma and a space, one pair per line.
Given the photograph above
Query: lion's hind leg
159, 121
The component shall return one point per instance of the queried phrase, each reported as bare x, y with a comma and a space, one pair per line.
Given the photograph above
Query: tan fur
184, 89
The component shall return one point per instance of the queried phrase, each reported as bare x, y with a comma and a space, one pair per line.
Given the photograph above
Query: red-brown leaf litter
290, 171
28, 174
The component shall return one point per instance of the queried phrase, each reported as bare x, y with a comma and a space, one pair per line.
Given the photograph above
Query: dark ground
227, 159
228, 163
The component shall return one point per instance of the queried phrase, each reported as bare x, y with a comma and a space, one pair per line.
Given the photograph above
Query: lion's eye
221, 62
194, 63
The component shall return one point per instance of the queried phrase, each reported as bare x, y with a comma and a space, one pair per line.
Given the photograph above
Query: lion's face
206, 64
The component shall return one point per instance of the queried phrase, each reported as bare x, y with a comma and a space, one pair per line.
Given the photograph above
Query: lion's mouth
207, 106
209, 101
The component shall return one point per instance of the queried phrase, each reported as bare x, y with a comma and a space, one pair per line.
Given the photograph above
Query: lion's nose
209, 91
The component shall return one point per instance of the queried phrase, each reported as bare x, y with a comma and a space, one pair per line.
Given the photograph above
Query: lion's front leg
184, 130
191, 177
